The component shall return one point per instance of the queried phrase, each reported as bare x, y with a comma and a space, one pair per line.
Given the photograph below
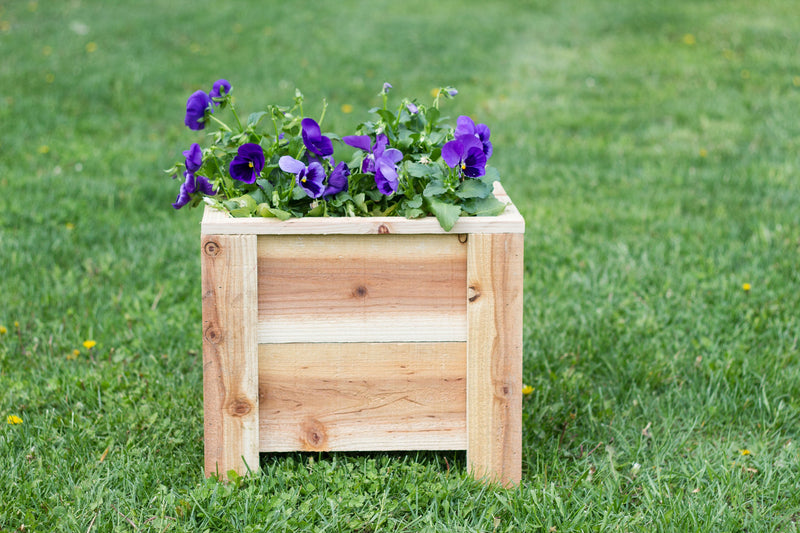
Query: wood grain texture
219, 222
230, 353
351, 397
361, 288
494, 357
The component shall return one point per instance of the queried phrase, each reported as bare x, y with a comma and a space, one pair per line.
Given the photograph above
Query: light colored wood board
219, 222
361, 288
494, 357
230, 353
359, 397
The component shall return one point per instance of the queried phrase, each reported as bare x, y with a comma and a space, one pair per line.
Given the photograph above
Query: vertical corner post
494, 356
229, 270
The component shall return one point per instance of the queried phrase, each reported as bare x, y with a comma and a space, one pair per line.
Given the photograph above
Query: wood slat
219, 222
351, 397
361, 288
494, 357
230, 353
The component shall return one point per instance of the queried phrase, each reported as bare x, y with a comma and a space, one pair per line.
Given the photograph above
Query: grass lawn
653, 149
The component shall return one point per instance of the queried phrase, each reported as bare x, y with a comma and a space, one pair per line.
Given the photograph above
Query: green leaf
471, 188
266, 210
489, 206
255, 118
386, 115
415, 202
266, 186
447, 214
419, 170
243, 206
318, 211
434, 188
492, 175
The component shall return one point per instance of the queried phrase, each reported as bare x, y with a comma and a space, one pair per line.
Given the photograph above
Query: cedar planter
356, 334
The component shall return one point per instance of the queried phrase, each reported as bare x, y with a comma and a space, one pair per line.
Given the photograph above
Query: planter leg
230, 353
494, 356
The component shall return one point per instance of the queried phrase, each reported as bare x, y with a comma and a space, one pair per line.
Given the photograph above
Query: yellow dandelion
527, 389
746, 287
3, 330
703, 152
73, 355
796, 81
13, 420
47, 50
91, 46
347, 108
70, 226
16, 324
689, 39
89, 344
744, 452
43, 149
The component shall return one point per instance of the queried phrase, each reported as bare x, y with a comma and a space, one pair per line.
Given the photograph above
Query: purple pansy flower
221, 89
310, 178
466, 126
248, 163
194, 157
314, 140
386, 87
196, 107
380, 161
337, 181
465, 152
412, 108
191, 185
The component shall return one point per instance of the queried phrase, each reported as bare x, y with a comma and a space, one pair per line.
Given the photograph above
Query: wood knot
212, 249
473, 293
212, 334
313, 435
241, 407
360, 292
383, 229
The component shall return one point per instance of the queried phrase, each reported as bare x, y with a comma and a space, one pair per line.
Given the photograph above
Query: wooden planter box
355, 334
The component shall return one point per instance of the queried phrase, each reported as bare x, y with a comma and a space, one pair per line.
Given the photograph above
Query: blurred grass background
652, 148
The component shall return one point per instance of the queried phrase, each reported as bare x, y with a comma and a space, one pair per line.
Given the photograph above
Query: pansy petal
464, 126
194, 157
452, 153
204, 186
483, 132
337, 181
291, 165
310, 128
182, 199
221, 88
362, 142
196, 107
392, 154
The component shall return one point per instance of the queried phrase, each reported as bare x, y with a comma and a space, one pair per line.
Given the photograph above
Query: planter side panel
362, 396
361, 288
